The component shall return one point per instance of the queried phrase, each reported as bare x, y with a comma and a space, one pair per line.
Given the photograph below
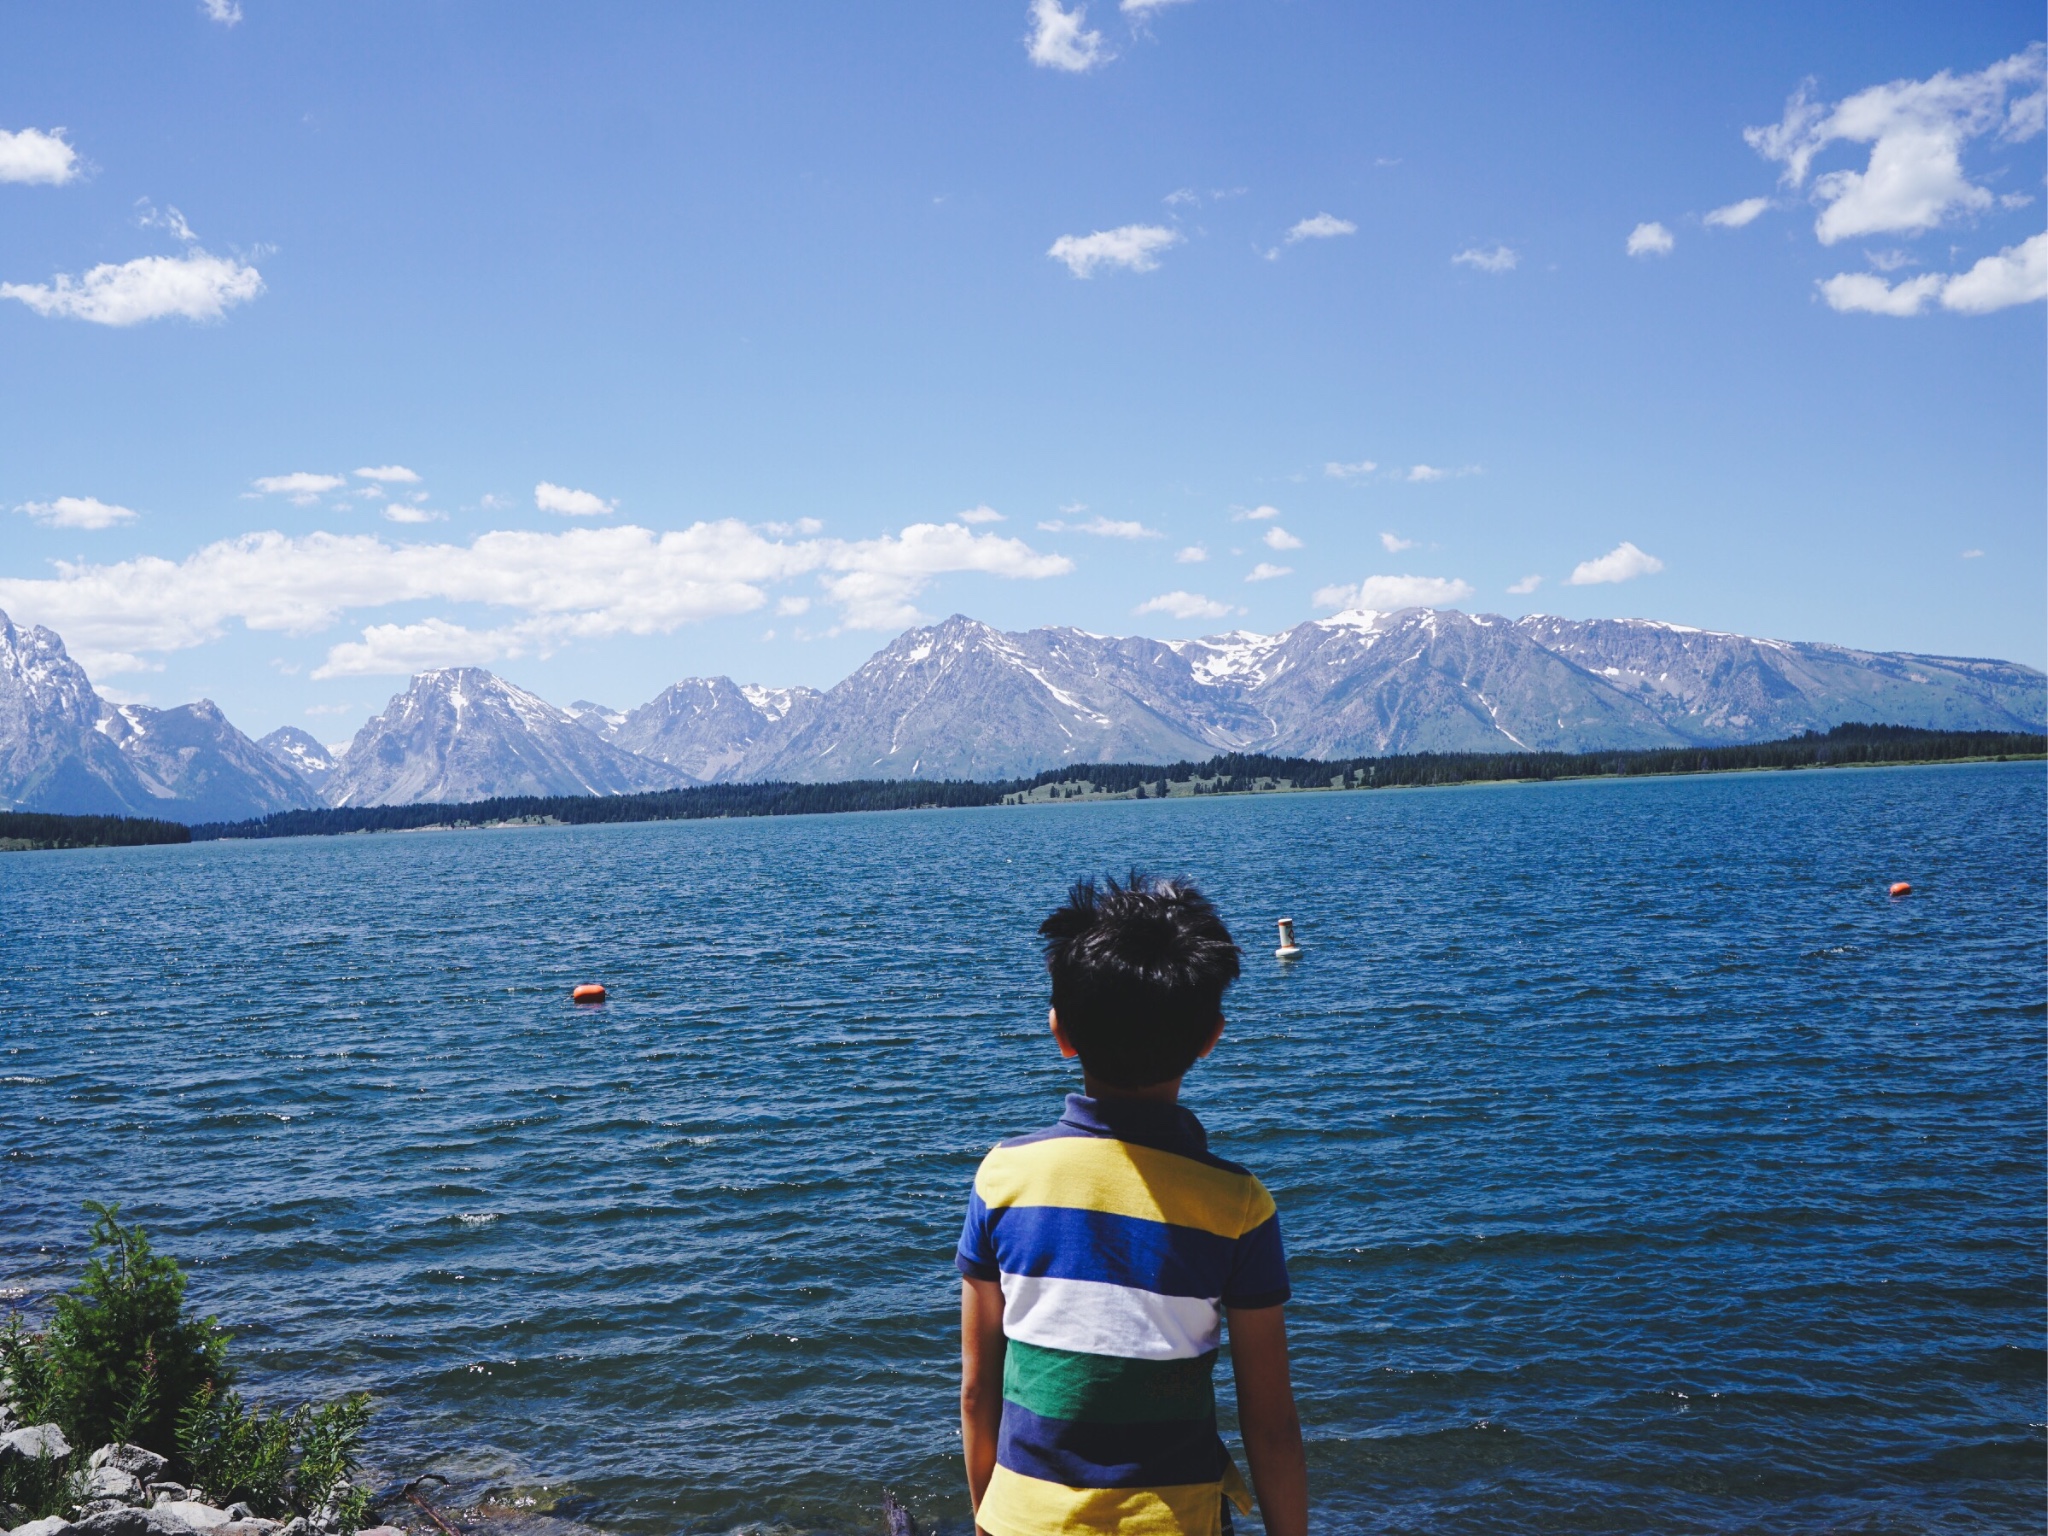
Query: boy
1102, 1255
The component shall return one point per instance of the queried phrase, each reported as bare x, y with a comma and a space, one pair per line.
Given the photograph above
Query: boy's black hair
1138, 972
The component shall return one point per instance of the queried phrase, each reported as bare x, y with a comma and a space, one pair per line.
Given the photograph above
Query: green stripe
1105, 1389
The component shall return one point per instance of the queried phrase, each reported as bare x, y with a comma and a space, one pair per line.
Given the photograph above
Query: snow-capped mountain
963, 700
461, 733
64, 748
302, 752
709, 728
51, 757
204, 769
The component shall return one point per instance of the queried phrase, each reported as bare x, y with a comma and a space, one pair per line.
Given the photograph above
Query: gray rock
157, 1492
96, 1506
299, 1525
130, 1522
49, 1525
240, 1511
33, 1444
7, 1419
191, 1515
249, 1527
113, 1483
144, 1466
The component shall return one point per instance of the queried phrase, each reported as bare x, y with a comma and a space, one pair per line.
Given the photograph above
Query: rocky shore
124, 1493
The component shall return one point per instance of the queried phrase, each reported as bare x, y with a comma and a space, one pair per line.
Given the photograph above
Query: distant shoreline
1228, 774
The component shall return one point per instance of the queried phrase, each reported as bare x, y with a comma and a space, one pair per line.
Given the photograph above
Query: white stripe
1097, 1318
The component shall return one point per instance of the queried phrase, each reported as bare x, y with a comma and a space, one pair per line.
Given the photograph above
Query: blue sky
697, 329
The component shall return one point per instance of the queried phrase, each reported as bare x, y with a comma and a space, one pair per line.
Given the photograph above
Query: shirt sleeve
976, 1255
1258, 1268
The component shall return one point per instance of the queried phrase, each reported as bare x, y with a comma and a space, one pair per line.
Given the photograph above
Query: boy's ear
1052, 1019
1214, 1035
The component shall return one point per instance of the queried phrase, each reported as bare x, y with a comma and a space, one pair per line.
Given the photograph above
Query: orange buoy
589, 992
1902, 888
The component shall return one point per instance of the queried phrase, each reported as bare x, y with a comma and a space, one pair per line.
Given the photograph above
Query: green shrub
122, 1358
121, 1363
235, 1453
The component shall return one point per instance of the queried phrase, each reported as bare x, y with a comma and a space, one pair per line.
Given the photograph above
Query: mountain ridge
960, 699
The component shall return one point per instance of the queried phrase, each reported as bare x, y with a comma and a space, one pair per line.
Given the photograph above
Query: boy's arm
1267, 1420
981, 1379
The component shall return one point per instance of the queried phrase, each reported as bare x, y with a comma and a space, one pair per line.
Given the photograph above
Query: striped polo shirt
1118, 1240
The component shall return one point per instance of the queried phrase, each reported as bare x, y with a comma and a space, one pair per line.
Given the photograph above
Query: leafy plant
330, 1454
236, 1453
121, 1356
122, 1363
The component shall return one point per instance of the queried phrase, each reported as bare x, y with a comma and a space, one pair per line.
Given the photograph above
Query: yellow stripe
1016, 1505
1095, 1173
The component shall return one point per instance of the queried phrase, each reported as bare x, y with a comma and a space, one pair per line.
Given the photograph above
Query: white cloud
1264, 571
1103, 528
195, 285
1059, 39
1338, 471
1916, 130
1385, 594
1255, 515
1323, 226
304, 489
170, 220
1423, 473
1143, 8
1134, 247
226, 12
1650, 240
550, 497
399, 512
1624, 562
1526, 585
389, 474
77, 512
1973, 554
1393, 544
1871, 294
2016, 275
1194, 554
1280, 538
1184, 605
981, 514
579, 583
37, 158
790, 607
1500, 259
1738, 215
398, 650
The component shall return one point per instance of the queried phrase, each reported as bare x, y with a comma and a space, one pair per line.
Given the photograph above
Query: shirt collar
1146, 1122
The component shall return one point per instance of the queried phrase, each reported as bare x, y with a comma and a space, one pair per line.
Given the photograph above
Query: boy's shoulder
1063, 1132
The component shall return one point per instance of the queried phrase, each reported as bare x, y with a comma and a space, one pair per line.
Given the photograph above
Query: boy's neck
1167, 1092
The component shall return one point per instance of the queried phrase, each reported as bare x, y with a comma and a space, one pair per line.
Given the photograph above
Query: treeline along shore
1230, 773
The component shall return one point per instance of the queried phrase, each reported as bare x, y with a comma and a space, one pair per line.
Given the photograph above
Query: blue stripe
1258, 1269
1065, 1243
1074, 1455
975, 1256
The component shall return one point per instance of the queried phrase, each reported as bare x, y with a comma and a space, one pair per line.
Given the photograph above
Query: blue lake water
1643, 1166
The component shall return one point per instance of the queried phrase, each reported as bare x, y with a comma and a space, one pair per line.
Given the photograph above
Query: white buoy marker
1288, 950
